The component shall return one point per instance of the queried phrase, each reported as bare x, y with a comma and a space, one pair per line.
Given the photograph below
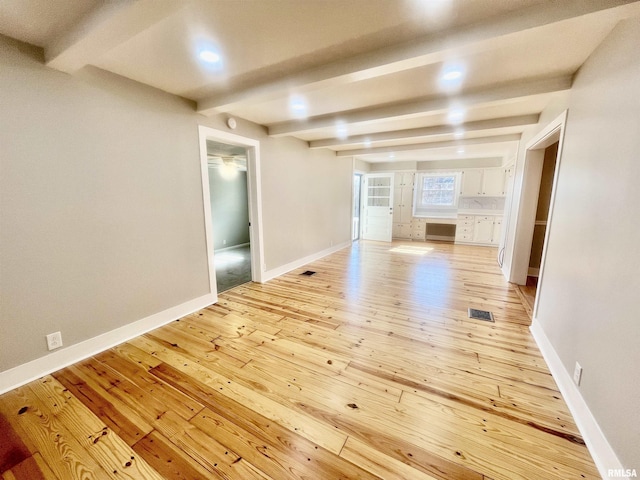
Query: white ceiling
368, 72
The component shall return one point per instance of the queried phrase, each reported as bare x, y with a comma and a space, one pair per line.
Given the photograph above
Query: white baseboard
27, 372
232, 247
276, 272
603, 455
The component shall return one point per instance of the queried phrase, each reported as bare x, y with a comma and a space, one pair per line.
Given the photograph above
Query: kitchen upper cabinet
488, 182
471, 182
493, 182
404, 179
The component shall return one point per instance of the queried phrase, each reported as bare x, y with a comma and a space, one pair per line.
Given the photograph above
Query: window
436, 194
438, 191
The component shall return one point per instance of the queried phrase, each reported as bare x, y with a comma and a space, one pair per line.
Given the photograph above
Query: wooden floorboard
370, 368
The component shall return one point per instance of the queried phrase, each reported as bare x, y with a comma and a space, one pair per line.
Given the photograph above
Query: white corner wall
101, 219
101, 211
587, 309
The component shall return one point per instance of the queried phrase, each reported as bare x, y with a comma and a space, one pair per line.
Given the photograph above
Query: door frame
255, 200
528, 202
353, 209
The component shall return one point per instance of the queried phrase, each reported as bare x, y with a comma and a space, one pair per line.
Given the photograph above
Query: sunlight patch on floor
410, 249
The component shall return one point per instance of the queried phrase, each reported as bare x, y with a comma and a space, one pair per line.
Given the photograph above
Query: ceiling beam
423, 51
429, 105
106, 27
514, 137
505, 122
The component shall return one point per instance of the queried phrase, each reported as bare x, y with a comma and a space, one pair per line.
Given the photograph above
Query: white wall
101, 220
361, 166
588, 305
306, 200
101, 215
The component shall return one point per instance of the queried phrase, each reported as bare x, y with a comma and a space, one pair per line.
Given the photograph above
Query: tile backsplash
481, 203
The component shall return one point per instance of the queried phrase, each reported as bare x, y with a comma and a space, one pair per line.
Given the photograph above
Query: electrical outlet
577, 374
54, 340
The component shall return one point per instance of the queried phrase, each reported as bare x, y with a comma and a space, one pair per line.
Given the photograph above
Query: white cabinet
508, 179
402, 205
418, 229
497, 230
471, 182
464, 228
404, 179
493, 182
415, 229
479, 229
483, 229
466, 220
402, 230
488, 182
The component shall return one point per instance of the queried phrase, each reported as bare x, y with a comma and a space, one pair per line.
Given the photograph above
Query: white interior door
377, 207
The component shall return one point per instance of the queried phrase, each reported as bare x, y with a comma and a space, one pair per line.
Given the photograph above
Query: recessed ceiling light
298, 106
341, 130
367, 142
459, 133
451, 76
392, 156
209, 56
456, 115
461, 150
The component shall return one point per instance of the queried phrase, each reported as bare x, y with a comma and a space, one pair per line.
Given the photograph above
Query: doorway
229, 199
230, 167
357, 196
541, 220
542, 161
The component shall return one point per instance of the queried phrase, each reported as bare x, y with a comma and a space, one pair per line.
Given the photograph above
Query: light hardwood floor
368, 369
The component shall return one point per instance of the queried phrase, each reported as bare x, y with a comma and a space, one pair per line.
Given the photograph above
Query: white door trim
558, 126
525, 211
255, 200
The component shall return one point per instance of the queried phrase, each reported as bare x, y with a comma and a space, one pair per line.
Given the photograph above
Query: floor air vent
308, 273
481, 315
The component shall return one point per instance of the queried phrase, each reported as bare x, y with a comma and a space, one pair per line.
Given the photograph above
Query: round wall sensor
231, 123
